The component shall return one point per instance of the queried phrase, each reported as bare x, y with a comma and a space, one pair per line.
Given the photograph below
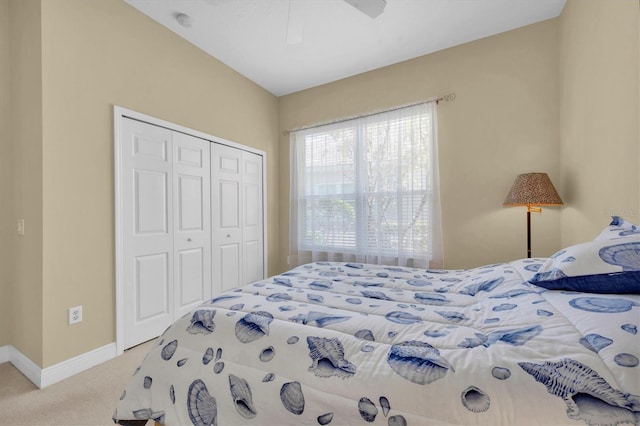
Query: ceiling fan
372, 8
295, 21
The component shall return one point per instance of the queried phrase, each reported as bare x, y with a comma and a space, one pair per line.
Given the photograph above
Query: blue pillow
602, 266
617, 228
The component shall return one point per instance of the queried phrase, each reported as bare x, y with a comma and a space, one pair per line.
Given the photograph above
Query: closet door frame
120, 113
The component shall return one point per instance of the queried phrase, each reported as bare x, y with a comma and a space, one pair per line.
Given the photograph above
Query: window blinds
366, 190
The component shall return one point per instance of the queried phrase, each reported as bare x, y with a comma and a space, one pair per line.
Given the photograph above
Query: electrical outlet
75, 314
20, 227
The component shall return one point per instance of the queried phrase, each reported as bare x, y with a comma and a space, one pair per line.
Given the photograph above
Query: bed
347, 343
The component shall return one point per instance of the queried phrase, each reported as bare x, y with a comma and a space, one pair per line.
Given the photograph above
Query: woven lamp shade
533, 189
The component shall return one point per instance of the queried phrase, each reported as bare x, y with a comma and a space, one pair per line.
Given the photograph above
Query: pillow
617, 228
607, 266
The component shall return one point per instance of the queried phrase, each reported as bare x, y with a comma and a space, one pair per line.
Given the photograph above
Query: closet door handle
188, 239
228, 235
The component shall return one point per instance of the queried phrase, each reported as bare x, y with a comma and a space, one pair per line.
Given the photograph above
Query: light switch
20, 227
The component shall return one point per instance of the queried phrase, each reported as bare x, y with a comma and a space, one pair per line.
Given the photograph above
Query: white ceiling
330, 39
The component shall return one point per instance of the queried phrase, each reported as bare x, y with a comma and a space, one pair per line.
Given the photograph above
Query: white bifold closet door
237, 217
166, 227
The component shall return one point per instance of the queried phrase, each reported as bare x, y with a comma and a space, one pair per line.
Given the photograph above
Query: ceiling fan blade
295, 22
372, 8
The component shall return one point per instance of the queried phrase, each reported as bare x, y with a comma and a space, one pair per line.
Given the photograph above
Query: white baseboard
25, 365
4, 354
73, 366
43, 377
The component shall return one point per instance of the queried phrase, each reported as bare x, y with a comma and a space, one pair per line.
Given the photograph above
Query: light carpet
88, 398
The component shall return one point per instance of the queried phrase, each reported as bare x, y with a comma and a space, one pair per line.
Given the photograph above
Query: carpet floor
88, 398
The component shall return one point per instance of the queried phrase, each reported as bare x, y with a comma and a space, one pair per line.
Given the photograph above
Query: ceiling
290, 45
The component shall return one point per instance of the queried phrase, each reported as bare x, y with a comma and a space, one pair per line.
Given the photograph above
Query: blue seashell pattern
626, 255
504, 307
452, 316
367, 409
418, 362
431, 298
602, 305
168, 350
253, 326
318, 319
626, 360
202, 322
501, 373
325, 419
418, 283
336, 343
201, 406
487, 286
514, 337
402, 317
292, 397
242, 397
570, 380
595, 342
475, 399
385, 404
327, 356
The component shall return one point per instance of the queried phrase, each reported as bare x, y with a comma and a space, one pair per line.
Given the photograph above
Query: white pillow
617, 228
601, 266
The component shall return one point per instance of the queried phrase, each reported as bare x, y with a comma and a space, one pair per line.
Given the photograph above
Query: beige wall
599, 115
525, 102
26, 318
504, 121
6, 216
95, 55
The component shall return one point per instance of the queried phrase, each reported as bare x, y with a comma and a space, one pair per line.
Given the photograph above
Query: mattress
346, 344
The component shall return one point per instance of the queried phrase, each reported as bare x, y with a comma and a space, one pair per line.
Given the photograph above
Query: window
366, 190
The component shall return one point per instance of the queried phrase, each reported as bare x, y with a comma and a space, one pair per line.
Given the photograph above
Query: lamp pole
528, 233
530, 209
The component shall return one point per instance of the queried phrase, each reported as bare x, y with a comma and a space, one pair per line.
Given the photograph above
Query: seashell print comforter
347, 344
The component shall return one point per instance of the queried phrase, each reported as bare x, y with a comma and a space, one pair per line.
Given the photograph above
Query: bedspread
345, 344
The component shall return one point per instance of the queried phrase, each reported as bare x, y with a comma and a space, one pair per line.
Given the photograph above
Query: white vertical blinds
366, 190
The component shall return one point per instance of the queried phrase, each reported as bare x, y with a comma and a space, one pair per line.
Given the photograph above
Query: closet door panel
151, 208
252, 218
190, 191
151, 286
226, 235
191, 280
192, 229
230, 273
147, 230
229, 207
